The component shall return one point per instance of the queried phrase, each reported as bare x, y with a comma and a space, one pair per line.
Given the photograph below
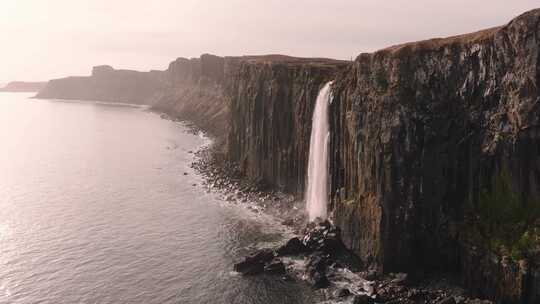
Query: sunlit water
95, 208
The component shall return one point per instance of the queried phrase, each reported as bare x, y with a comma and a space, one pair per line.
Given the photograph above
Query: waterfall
317, 186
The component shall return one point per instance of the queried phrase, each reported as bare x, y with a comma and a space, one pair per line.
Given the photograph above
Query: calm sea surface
95, 208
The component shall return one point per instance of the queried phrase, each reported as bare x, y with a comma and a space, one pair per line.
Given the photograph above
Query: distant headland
23, 86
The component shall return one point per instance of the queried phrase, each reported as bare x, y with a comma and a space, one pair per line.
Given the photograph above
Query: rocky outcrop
109, 85
419, 130
22, 86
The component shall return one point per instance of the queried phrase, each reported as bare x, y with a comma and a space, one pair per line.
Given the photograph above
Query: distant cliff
195, 92
22, 86
107, 84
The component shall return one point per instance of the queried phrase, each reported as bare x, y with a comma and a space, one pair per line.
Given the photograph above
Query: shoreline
223, 178
346, 286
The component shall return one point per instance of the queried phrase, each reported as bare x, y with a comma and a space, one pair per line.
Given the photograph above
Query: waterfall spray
317, 187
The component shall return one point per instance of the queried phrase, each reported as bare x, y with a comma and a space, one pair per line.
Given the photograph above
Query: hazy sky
43, 39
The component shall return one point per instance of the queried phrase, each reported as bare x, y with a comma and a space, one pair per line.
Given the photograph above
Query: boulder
363, 299
319, 280
342, 293
276, 266
293, 247
254, 264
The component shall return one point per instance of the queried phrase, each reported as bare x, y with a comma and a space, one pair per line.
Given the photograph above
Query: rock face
271, 104
419, 129
196, 92
22, 86
223, 95
107, 84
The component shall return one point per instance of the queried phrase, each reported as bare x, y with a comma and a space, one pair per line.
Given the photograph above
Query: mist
48, 39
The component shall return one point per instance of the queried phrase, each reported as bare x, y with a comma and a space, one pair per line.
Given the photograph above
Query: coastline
346, 285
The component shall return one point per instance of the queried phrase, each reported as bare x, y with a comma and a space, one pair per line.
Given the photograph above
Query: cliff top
289, 59
437, 43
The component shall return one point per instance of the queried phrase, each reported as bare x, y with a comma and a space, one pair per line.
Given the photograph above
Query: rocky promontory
107, 84
23, 86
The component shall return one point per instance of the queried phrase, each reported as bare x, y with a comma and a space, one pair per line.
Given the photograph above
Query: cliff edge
435, 159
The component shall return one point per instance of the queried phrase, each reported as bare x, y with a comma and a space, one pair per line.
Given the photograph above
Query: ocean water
95, 208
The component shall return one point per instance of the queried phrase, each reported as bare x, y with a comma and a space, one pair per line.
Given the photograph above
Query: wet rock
276, 267
287, 278
363, 299
254, 264
318, 261
319, 280
400, 279
288, 222
448, 300
342, 293
316, 270
293, 247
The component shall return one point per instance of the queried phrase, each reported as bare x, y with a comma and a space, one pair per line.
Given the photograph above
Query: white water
317, 188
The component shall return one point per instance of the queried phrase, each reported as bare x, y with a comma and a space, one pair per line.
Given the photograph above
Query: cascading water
317, 187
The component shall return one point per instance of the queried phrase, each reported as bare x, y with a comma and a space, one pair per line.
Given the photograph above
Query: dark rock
363, 299
342, 293
319, 280
400, 279
293, 247
317, 262
288, 222
371, 275
276, 267
287, 278
254, 264
419, 131
448, 300
316, 270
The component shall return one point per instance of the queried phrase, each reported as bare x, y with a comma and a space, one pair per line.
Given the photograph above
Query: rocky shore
317, 254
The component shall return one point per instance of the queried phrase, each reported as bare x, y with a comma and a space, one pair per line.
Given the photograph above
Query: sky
47, 39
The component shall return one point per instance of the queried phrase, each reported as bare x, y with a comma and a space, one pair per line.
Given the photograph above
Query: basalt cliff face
258, 107
107, 84
271, 104
195, 92
418, 131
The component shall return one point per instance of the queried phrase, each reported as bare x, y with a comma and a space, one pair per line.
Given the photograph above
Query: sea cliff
434, 145
421, 133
